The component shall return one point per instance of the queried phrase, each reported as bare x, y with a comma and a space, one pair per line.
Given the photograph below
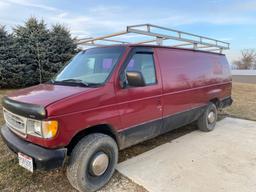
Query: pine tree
11, 72
32, 47
61, 49
33, 53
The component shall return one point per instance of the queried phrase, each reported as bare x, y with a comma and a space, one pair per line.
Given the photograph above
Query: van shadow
159, 140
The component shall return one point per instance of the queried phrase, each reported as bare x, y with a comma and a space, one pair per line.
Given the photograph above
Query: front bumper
43, 159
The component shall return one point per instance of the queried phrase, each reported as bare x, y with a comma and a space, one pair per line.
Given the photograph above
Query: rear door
141, 107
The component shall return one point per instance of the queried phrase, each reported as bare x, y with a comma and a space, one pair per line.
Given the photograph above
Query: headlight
45, 129
34, 127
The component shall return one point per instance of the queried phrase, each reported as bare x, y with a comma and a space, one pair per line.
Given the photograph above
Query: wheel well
103, 128
216, 101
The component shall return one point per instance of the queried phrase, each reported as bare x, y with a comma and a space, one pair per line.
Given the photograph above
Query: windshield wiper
76, 81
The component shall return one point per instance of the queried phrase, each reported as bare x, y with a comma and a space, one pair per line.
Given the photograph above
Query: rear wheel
92, 162
207, 120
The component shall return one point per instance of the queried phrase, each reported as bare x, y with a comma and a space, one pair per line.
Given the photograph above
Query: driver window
144, 63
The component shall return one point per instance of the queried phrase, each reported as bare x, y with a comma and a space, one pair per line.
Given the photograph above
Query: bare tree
247, 61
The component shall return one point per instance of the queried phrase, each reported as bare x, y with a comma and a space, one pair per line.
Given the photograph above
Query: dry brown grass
244, 105
14, 178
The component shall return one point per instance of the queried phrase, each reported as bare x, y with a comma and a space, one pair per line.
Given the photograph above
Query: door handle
158, 101
159, 104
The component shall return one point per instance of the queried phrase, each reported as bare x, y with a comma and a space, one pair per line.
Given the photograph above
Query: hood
45, 94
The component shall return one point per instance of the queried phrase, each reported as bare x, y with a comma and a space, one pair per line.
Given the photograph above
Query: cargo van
111, 97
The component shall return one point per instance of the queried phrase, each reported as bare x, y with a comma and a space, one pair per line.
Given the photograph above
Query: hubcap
211, 117
99, 164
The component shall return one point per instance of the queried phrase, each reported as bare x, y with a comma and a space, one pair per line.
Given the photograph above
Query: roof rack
160, 36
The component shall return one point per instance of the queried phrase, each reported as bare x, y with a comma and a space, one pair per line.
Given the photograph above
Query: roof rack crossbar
148, 30
181, 45
148, 41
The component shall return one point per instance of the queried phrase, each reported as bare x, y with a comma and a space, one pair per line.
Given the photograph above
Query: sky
233, 21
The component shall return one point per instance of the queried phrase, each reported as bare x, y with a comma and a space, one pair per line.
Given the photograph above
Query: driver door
141, 107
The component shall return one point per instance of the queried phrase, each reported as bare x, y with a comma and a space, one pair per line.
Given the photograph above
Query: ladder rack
158, 36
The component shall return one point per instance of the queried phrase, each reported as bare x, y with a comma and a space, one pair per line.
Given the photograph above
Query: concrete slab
218, 161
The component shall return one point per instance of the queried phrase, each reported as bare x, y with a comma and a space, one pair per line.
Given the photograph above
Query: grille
15, 122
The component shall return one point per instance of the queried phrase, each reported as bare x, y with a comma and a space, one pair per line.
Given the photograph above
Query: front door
141, 107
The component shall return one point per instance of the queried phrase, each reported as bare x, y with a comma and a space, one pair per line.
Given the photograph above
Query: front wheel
92, 162
208, 119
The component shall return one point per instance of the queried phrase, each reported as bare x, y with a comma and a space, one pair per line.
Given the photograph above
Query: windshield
92, 66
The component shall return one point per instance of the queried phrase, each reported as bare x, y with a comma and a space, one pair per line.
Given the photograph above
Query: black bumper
44, 159
226, 102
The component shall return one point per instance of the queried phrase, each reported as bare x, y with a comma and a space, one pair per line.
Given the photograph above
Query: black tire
78, 170
203, 122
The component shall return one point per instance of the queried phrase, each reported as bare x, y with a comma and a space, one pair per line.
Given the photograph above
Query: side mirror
135, 79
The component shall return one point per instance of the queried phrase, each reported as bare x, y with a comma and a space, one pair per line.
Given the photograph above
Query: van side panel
190, 80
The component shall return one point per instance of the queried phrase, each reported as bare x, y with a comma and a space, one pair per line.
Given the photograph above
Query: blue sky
229, 20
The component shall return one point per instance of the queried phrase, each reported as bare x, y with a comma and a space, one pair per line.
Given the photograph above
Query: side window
143, 63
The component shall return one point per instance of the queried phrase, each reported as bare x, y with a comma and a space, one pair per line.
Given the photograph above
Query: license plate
25, 162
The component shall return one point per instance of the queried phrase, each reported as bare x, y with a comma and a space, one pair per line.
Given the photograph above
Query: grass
244, 106
14, 178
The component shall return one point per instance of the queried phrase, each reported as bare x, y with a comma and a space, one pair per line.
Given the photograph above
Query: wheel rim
99, 164
211, 117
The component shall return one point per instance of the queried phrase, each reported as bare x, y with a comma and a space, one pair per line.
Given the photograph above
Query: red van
109, 98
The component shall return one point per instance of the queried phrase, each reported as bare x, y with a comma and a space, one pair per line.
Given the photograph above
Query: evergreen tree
32, 47
33, 53
61, 49
11, 72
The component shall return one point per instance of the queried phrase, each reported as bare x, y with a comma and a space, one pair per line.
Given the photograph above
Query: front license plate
26, 162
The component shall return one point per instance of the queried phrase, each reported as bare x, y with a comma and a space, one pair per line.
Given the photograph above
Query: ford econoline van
109, 98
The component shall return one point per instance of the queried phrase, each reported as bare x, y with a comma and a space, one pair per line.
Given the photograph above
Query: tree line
33, 53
